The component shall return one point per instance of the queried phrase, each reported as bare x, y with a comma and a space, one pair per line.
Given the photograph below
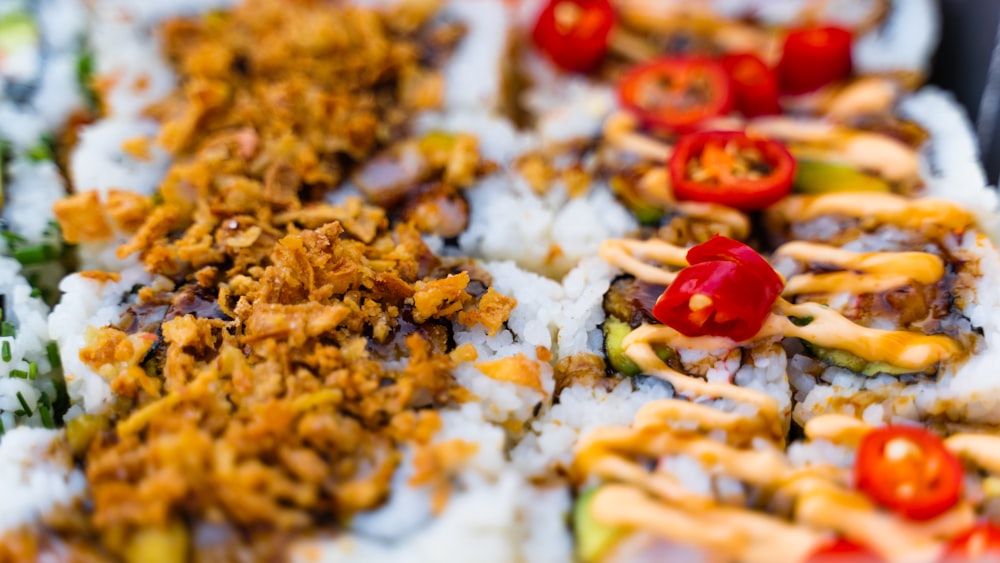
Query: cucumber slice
593, 539
817, 177
615, 332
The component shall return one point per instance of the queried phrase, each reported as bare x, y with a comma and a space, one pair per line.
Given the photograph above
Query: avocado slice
817, 177
615, 331
593, 539
847, 360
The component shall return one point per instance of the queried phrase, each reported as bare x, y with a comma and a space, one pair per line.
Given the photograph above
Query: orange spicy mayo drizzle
880, 208
869, 272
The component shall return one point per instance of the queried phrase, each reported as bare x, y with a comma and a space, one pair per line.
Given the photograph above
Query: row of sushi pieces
806, 277
813, 278
45, 93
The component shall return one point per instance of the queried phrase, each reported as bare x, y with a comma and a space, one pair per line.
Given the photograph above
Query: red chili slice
980, 543
813, 57
675, 94
730, 168
727, 290
908, 470
574, 33
843, 551
755, 87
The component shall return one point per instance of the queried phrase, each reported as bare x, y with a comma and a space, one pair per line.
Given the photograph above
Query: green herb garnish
35, 254
24, 405
45, 411
52, 351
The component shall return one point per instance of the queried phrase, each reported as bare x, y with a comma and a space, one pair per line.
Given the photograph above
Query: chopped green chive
35, 254
36, 293
5, 351
14, 240
52, 351
41, 151
19, 373
61, 404
32, 370
7, 329
45, 411
24, 404
2, 430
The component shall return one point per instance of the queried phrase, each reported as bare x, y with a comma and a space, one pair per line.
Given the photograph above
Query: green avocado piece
615, 331
17, 29
817, 177
847, 360
593, 539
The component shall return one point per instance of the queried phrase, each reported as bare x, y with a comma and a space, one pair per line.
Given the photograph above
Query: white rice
545, 234
29, 344
531, 325
32, 480
32, 190
581, 409
51, 72
87, 302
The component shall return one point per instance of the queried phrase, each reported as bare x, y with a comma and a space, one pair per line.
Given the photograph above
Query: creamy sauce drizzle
877, 207
890, 158
868, 272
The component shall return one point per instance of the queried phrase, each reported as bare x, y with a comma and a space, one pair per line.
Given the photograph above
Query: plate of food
475, 280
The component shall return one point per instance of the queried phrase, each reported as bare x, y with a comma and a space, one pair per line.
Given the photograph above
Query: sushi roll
686, 481
260, 247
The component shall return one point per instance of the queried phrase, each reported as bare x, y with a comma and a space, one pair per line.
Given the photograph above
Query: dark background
969, 33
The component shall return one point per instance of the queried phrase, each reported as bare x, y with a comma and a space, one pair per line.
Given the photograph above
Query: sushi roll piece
691, 482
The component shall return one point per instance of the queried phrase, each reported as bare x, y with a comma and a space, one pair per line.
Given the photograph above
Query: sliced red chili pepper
979, 543
843, 551
727, 290
675, 94
574, 33
908, 470
755, 87
813, 57
730, 168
